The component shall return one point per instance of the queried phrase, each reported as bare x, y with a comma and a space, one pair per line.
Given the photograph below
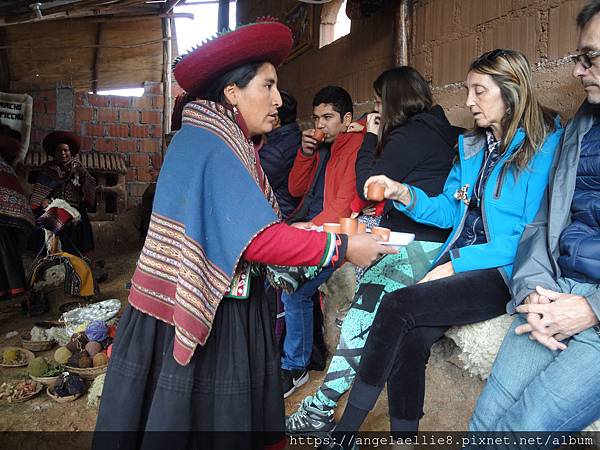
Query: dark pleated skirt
12, 275
228, 397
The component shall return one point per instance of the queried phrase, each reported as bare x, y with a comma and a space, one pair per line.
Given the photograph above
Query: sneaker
309, 420
292, 379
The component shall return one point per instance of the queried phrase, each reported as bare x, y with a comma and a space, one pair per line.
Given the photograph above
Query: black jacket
419, 152
276, 158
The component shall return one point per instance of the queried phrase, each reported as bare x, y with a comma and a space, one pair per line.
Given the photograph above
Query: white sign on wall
15, 112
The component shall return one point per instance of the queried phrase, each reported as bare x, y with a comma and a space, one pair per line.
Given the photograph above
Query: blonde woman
492, 192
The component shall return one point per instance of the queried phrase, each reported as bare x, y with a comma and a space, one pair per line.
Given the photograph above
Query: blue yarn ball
96, 331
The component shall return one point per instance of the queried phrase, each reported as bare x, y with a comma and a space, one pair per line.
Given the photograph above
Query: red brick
83, 114
156, 161
98, 100
94, 130
140, 131
51, 107
152, 117
147, 174
80, 99
136, 189
87, 144
153, 88
138, 160
156, 131
44, 120
106, 115
127, 145
39, 105
105, 145
117, 130
141, 102
150, 145
158, 101
131, 174
119, 101
129, 116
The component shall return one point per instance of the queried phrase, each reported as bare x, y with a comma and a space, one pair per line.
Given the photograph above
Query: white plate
399, 239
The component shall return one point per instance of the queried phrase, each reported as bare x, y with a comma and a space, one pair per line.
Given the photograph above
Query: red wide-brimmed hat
61, 137
265, 40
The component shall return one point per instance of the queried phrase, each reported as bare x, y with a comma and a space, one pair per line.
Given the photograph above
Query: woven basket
46, 381
88, 373
38, 388
36, 346
56, 398
28, 354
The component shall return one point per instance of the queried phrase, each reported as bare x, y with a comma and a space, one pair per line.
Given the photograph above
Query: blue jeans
298, 341
532, 388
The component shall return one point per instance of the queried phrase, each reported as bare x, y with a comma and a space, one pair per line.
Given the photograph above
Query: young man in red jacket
323, 175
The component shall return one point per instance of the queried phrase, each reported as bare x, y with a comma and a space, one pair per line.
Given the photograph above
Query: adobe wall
446, 36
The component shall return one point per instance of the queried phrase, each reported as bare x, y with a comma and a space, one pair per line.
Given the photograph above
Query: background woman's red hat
262, 41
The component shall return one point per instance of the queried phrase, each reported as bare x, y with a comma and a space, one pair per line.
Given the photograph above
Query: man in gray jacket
545, 375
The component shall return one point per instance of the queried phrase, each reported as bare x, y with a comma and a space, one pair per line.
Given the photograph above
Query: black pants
408, 322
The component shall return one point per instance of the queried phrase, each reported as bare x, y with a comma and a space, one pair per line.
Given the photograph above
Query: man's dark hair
337, 97
588, 11
287, 110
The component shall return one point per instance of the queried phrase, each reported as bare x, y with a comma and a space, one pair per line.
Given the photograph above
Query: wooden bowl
56, 398
28, 356
46, 381
36, 346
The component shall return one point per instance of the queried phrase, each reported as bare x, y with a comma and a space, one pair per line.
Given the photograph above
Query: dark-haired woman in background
416, 146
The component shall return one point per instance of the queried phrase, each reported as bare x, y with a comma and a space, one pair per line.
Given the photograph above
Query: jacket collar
474, 143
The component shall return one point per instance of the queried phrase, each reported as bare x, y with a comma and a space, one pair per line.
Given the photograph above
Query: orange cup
376, 192
383, 232
362, 228
348, 226
319, 135
332, 227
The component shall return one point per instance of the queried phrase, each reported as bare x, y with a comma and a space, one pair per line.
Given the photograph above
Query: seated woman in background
15, 218
63, 177
416, 146
493, 191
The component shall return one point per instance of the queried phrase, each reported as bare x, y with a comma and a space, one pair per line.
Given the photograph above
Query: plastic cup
319, 135
376, 192
332, 227
348, 226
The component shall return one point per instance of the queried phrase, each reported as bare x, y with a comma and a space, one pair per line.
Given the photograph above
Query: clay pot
376, 192
362, 228
319, 135
332, 227
383, 232
348, 226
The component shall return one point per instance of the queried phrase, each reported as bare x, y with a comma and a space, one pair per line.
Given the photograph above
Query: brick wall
132, 126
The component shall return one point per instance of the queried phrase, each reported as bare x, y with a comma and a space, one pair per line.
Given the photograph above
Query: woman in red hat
194, 350
64, 177
15, 217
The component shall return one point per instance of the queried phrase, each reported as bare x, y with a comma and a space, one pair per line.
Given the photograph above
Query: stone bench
473, 347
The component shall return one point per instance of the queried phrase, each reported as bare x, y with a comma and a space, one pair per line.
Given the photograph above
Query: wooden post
166, 80
402, 32
4, 66
223, 15
96, 58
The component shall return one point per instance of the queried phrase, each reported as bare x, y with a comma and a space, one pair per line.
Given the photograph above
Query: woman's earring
235, 110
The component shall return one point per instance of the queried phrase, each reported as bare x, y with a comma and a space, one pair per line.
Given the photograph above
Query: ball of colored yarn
96, 331
93, 347
62, 355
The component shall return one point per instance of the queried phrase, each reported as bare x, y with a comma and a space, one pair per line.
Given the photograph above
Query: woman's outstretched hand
364, 249
393, 190
441, 271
